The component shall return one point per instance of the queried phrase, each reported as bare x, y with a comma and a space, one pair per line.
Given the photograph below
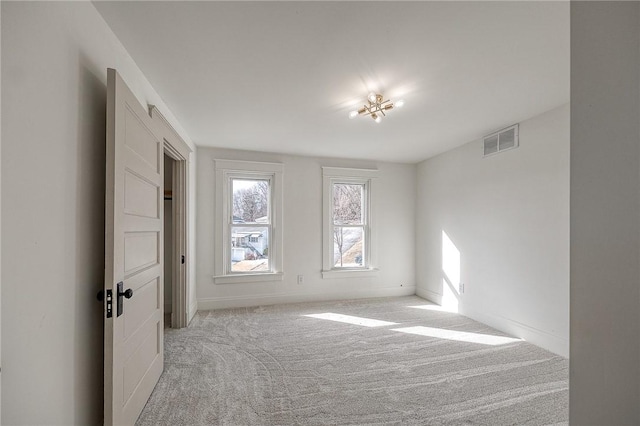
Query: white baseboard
541, 338
429, 295
193, 308
207, 304
549, 341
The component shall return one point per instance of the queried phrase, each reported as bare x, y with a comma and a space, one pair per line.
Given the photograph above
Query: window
248, 222
348, 220
349, 236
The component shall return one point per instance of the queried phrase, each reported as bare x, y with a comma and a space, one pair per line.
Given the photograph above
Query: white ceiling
283, 76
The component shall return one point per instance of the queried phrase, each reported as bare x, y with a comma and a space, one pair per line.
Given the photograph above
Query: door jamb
178, 150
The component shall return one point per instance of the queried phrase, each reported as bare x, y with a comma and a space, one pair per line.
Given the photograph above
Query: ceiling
283, 76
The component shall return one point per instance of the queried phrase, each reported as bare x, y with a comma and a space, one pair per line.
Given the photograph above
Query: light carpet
276, 365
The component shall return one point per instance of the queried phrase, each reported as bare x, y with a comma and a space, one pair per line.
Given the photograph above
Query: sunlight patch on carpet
365, 322
437, 308
460, 336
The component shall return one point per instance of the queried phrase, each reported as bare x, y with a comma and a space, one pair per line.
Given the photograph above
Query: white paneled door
133, 326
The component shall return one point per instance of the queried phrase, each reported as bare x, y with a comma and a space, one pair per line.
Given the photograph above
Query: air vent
501, 140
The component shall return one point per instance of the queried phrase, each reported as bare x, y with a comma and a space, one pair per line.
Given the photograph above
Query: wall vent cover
501, 140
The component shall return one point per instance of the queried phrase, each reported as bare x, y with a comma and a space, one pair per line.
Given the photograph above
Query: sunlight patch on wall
450, 260
451, 274
460, 336
365, 322
449, 298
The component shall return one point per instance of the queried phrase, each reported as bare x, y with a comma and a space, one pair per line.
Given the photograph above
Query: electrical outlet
300, 279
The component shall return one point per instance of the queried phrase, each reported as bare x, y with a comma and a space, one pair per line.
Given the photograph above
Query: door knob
128, 293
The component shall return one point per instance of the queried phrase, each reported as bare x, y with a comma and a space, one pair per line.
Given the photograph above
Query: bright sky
243, 184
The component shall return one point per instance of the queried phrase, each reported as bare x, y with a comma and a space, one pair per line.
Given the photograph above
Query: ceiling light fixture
376, 108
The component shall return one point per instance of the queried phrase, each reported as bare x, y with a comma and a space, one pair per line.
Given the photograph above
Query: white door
133, 331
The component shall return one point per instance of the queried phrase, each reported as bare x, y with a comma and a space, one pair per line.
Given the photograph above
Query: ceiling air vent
501, 140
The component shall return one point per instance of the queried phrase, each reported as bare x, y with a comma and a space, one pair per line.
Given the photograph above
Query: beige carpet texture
391, 361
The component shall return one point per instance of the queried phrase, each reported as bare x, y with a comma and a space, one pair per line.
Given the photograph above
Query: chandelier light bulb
353, 114
399, 103
377, 119
372, 97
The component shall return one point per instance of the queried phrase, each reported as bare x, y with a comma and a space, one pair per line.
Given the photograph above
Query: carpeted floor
275, 365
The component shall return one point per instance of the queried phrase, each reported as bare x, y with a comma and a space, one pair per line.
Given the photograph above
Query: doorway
175, 225
175, 238
168, 241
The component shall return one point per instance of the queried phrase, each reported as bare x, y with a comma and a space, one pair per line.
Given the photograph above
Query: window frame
366, 177
226, 171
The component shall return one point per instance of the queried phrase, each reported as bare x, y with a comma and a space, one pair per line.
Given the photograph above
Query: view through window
349, 221
250, 225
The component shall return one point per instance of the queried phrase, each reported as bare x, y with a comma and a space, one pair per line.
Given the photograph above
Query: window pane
347, 203
348, 247
250, 249
250, 198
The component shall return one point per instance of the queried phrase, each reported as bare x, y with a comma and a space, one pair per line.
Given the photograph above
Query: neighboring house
249, 244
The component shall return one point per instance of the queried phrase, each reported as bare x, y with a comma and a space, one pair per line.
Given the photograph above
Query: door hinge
182, 259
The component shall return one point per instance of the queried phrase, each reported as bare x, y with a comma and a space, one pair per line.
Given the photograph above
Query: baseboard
544, 339
429, 295
193, 308
536, 336
207, 304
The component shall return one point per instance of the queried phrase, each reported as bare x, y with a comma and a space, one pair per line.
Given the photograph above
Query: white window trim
330, 175
225, 169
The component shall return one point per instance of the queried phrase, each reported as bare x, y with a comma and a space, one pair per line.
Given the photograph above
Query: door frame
178, 150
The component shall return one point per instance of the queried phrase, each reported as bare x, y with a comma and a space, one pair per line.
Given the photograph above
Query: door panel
142, 306
140, 196
144, 354
140, 250
134, 354
140, 140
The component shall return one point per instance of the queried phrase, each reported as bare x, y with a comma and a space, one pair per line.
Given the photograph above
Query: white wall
605, 213
395, 194
54, 60
508, 216
191, 257
0, 227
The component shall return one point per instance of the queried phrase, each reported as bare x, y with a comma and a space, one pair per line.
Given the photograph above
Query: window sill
247, 278
350, 273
